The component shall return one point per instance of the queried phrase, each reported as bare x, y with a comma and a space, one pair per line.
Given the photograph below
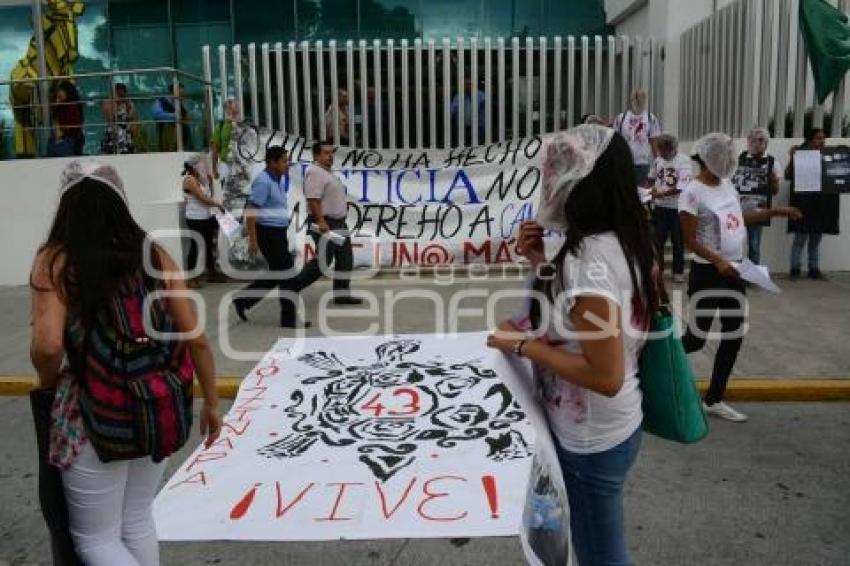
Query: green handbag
672, 407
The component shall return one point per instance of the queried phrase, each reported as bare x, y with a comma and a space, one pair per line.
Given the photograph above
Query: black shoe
216, 277
794, 274
817, 275
296, 325
240, 310
348, 301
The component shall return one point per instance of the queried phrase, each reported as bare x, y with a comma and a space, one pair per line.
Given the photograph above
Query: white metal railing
400, 92
742, 66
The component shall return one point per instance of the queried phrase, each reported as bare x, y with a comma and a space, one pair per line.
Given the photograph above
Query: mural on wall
59, 23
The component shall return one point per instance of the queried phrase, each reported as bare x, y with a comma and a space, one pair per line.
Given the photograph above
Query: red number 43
412, 406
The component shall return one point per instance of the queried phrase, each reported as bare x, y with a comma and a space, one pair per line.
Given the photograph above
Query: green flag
827, 38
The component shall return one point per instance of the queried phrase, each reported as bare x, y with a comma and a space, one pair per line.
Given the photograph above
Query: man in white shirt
670, 172
639, 127
326, 220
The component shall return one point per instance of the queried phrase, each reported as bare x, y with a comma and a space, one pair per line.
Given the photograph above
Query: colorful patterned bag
135, 395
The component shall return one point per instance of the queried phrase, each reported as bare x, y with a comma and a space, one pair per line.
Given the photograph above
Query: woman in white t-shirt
200, 219
713, 226
588, 333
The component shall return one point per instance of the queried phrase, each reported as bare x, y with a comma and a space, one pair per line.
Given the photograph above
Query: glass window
451, 18
93, 50
261, 21
337, 19
198, 23
384, 19
573, 18
140, 35
516, 18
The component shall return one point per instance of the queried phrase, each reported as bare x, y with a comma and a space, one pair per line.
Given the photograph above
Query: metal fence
420, 94
747, 66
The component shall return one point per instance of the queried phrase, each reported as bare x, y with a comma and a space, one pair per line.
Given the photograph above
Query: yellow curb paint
740, 389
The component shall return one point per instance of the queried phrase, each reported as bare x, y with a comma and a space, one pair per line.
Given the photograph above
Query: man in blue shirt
267, 220
164, 112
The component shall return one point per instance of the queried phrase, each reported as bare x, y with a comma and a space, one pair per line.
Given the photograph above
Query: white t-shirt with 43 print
671, 174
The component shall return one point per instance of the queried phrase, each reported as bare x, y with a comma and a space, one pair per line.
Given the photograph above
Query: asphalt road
773, 491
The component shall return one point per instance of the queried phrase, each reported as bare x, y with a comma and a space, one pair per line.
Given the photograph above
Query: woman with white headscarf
585, 329
110, 433
639, 126
200, 219
713, 227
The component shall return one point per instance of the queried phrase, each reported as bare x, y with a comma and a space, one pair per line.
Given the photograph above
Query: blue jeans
814, 250
594, 485
666, 223
754, 243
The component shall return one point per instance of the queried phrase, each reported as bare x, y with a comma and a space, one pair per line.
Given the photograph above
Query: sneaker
724, 411
216, 277
817, 275
794, 274
678, 278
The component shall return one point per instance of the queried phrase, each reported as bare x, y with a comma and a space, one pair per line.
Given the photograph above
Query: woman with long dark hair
123, 403
67, 113
585, 337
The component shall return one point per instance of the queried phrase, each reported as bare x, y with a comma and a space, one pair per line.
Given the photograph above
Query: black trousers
207, 229
340, 255
705, 277
274, 246
51, 493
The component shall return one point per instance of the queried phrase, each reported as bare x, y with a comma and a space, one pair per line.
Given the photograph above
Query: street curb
761, 389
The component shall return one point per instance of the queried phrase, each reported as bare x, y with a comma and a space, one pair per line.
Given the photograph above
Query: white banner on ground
385, 437
408, 207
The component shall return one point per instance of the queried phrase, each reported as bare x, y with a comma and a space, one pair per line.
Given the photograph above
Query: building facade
137, 34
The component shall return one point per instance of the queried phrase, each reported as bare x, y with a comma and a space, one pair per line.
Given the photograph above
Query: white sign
386, 437
230, 227
756, 274
808, 171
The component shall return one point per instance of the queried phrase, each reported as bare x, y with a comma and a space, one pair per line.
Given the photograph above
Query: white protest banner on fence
409, 207
384, 437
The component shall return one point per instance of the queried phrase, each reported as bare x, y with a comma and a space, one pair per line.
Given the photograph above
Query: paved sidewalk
801, 333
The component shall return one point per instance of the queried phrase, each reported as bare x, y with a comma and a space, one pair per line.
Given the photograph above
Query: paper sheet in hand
228, 223
335, 237
757, 275
808, 171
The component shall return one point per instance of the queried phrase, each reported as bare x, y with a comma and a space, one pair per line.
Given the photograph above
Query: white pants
109, 509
